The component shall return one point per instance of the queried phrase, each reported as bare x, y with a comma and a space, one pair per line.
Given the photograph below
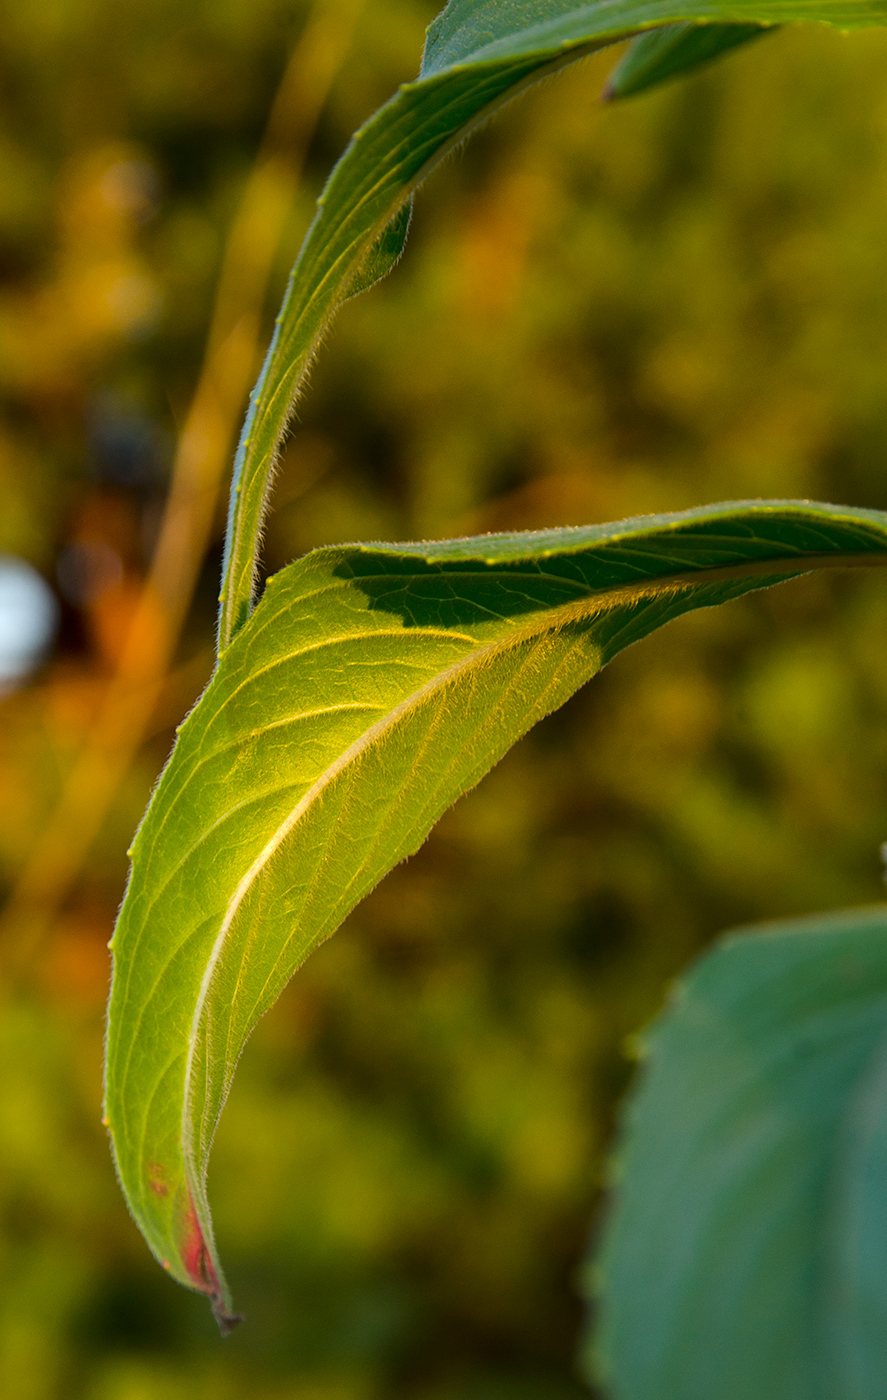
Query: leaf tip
197, 1259
226, 1321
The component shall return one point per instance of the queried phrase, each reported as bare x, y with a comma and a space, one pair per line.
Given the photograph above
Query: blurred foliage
602, 311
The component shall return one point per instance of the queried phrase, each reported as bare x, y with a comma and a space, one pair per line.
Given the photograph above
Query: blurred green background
602, 311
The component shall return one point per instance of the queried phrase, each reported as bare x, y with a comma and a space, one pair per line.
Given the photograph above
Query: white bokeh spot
28, 619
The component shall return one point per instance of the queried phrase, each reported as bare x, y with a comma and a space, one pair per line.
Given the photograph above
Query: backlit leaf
371, 687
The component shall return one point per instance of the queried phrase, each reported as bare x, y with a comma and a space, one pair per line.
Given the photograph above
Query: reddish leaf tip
201, 1270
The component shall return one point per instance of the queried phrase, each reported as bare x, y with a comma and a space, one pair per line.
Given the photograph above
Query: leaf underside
674, 50
744, 1253
371, 687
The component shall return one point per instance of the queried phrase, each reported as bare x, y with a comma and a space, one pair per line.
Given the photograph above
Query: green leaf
371, 687
385, 252
744, 1256
478, 55
676, 49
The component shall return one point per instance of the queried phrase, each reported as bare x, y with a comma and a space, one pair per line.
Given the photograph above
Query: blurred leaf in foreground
744, 1257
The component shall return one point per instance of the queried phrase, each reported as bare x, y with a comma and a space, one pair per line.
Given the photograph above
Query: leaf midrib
585, 608
590, 605
545, 621
599, 601
201, 758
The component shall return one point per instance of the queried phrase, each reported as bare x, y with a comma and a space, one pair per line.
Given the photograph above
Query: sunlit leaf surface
744, 1256
372, 686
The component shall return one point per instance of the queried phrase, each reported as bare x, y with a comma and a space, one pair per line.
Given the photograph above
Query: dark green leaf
385, 252
744, 1256
674, 50
479, 54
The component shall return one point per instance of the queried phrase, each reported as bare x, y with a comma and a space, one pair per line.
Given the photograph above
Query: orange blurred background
602, 312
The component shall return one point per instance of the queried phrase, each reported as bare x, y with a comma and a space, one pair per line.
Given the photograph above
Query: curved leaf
479, 54
745, 1254
662, 54
371, 687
